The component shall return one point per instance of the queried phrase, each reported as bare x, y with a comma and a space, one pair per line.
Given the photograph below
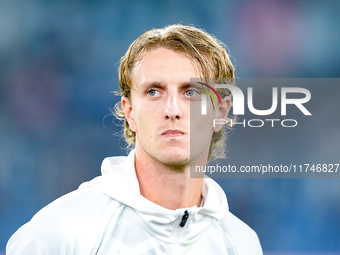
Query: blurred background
58, 69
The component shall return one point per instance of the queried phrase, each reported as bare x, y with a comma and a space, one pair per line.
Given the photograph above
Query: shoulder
83, 204
58, 228
245, 238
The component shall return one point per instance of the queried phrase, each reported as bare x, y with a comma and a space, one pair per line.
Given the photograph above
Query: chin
178, 161
176, 157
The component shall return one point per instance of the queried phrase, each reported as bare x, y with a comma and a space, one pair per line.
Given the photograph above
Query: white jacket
108, 216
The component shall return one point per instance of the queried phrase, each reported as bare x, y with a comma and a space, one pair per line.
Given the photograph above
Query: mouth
172, 133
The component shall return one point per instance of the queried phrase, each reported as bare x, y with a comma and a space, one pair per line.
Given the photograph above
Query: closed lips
172, 132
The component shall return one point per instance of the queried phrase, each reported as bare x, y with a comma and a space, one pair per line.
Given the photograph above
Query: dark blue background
58, 68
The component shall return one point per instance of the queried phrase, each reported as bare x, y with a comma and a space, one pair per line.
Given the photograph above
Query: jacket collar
119, 181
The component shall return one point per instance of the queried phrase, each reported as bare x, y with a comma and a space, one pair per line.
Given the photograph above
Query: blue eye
190, 93
152, 92
193, 94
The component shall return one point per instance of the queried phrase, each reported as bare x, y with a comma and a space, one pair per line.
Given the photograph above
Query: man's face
159, 109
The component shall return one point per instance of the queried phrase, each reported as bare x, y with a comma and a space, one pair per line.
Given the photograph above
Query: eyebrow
161, 85
155, 84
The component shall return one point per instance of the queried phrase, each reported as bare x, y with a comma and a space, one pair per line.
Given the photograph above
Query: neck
168, 186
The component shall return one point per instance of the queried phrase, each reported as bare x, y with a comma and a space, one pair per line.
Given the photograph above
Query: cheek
201, 126
207, 125
199, 121
145, 121
200, 134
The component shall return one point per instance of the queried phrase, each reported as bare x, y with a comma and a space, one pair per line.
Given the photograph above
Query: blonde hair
208, 54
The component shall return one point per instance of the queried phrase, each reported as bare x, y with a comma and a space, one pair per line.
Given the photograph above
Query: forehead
164, 66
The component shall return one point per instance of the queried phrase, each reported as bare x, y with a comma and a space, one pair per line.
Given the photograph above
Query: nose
172, 108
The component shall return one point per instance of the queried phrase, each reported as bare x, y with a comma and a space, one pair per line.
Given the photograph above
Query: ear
222, 112
129, 113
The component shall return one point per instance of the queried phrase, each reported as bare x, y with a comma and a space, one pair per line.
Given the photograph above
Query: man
147, 203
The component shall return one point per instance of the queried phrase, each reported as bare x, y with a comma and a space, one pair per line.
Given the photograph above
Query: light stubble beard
175, 166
